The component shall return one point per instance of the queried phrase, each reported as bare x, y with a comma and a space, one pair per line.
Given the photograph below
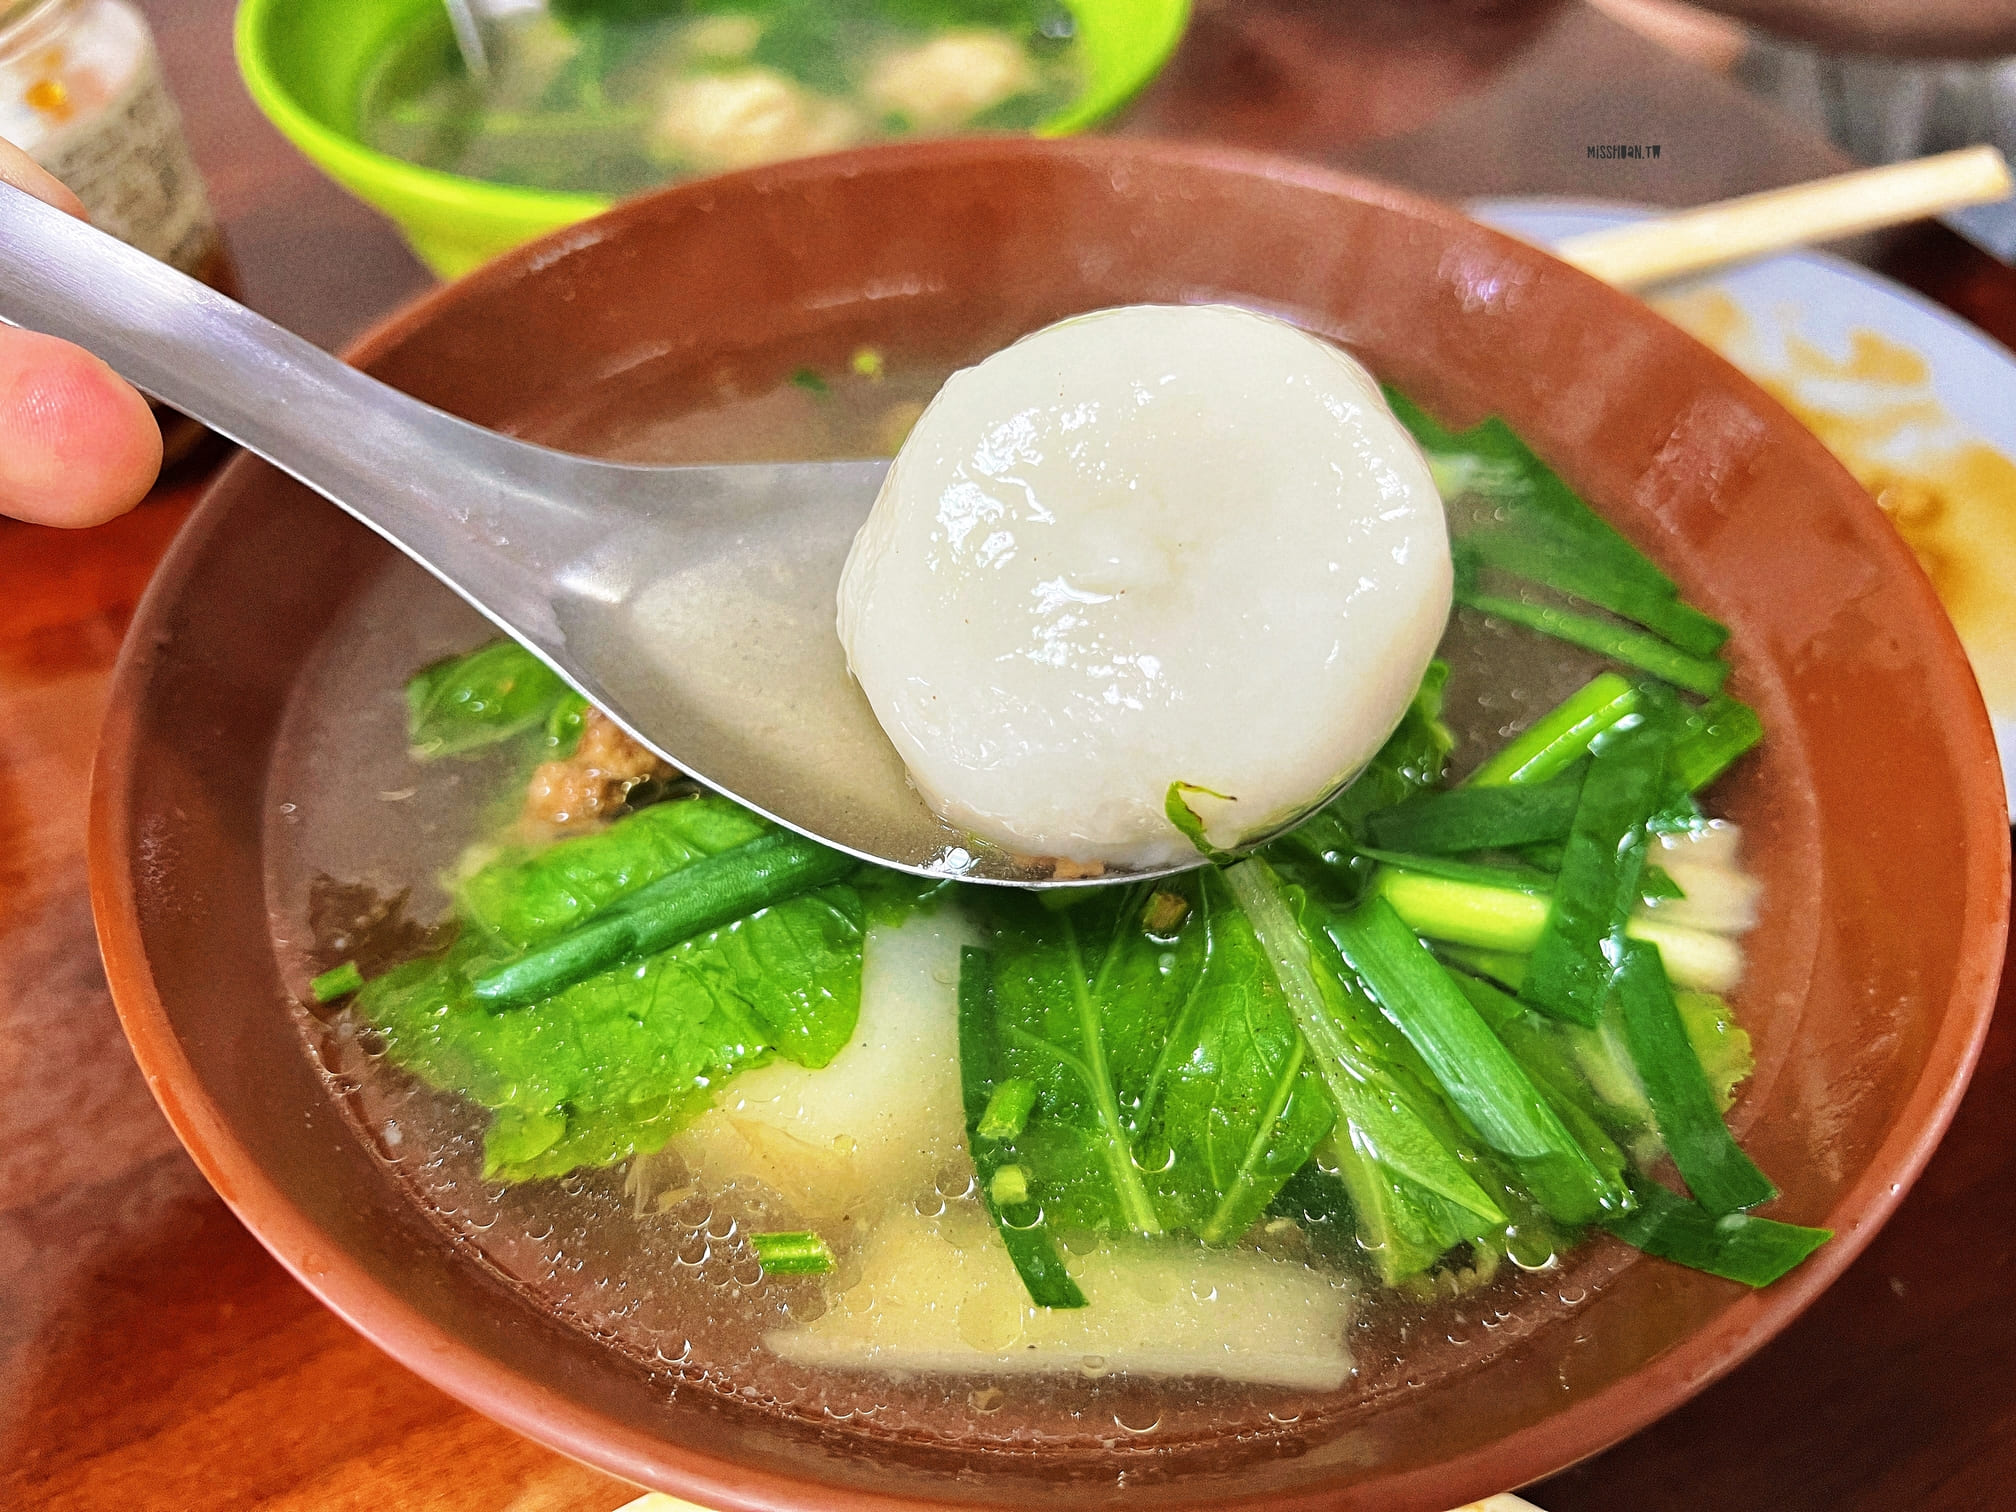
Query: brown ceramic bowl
1875, 809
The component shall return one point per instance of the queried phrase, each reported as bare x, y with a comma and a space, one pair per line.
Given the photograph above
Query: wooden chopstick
1646, 252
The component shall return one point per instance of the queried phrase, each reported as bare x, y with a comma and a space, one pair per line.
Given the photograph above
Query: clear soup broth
646, 1256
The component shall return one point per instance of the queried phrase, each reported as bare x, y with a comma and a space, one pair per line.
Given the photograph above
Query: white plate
1795, 323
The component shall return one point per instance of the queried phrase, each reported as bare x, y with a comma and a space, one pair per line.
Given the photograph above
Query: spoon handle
466, 502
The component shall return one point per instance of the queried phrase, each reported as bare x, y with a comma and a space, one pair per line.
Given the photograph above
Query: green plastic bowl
305, 62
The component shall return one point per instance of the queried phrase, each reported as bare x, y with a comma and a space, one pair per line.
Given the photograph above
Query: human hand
77, 445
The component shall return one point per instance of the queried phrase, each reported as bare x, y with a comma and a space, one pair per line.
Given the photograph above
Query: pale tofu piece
748, 116
945, 82
1144, 546
877, 1124
940, 1294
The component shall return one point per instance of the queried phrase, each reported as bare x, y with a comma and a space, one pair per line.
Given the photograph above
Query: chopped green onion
1029, 1243
1009, 1186
1713, 736
1635, 648
1599, 874
1514, 874
867, 362
1755, 1251
1473, 1068
1505, 920
1479, 818
1559, 565
799, 1253
1689, 1115
709, 893
811, 382
1502, 917
339, 981
1008, 1109
1560, 738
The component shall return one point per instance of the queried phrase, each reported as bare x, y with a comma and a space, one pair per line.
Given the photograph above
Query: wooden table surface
153, 1356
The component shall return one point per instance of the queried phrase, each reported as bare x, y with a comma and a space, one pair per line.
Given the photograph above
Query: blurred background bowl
308, 63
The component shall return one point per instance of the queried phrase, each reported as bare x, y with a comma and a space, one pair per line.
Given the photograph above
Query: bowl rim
1583, 1428
348, 157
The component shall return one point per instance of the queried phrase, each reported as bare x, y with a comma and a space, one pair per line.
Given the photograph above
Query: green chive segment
795, 1253
1722, 1178
1622, 643
685, 903
1571, 571
1599, 874
1755, 1251
1008, 1109
1479, 818
339, 981
1560, 737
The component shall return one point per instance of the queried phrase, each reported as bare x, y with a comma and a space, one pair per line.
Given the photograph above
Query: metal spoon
694, 604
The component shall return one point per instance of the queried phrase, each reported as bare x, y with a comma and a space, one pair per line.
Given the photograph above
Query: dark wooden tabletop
153, 1356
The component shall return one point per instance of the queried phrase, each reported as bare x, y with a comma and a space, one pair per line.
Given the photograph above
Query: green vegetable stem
1005, 1195
1561, 737
1572, 959
796, 1253
685, 903
1475, 1071
1755, 1251
1722, 1178
1635, 648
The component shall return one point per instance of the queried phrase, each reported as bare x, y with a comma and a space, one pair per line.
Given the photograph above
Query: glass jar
81, 92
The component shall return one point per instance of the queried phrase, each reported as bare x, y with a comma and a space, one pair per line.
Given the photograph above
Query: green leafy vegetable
1689, 1115
709, 892
1006, 1196
617, 1063
1755, 1251
1173, 1091
1599, 874
1476, 1072
467, 703
1379, 1122
525, 898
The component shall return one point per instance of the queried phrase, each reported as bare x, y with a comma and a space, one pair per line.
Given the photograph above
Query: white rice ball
1148, 545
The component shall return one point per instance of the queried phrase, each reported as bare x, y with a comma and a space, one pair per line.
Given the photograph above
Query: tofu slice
940, 1294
